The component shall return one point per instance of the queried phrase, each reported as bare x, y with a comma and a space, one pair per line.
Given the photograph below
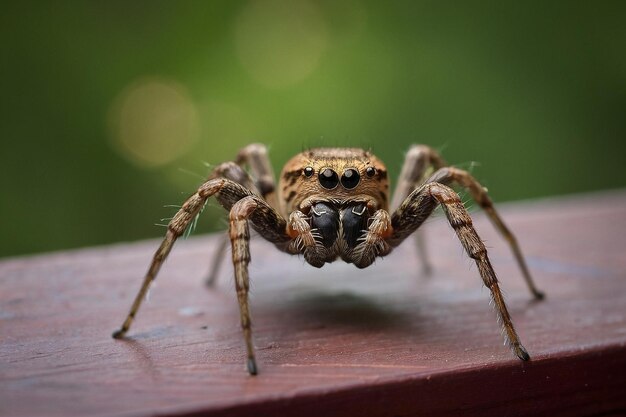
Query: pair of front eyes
329, 179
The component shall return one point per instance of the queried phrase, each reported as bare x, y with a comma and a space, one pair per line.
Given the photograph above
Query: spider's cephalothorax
334, 203
339, 193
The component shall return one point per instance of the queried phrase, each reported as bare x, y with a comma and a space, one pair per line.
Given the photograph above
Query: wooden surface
333, 341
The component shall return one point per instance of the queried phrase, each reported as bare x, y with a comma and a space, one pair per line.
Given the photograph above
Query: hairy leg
239, 233
418, 206
175, 228
256, 157
233, 172
419, 160
451, 175
262, 183
266, 221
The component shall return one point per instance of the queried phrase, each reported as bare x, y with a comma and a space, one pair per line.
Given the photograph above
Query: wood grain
333, 341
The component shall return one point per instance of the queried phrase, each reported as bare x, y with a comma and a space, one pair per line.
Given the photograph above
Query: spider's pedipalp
373, 244
306, 240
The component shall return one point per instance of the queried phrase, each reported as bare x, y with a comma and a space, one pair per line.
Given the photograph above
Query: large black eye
350, 178
328, 178
308, 171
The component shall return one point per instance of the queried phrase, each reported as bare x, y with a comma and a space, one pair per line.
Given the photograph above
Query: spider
334, 203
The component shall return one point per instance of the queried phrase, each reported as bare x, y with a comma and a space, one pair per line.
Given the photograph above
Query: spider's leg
250, 210
216, 263
262, 183
239, 233
256, 157
418, 206
175, 228
451, 175
373, 242
233, 172
418, 161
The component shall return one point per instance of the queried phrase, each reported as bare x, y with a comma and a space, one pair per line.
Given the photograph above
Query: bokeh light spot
280, 42
153, 122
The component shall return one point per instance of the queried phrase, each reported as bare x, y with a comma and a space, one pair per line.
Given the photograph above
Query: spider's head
338, 175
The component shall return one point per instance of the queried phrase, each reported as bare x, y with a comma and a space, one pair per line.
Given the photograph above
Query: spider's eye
350, 178
308, 171
370, 171
329, 178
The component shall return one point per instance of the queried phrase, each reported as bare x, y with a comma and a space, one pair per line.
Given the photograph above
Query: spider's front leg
243, 205
418, 206
239, 233
175, 228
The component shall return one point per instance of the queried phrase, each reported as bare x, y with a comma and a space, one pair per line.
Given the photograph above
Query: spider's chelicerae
334, 203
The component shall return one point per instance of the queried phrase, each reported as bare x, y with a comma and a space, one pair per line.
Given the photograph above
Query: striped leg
262, 183
175, 228
248, 211
243, 205
451, 175
255, 156
239, 233
418, 206
418, 161
233, 172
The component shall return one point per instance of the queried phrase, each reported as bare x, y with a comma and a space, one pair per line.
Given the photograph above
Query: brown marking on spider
333, 204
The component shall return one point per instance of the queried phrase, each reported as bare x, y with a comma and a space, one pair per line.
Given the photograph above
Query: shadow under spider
345, 309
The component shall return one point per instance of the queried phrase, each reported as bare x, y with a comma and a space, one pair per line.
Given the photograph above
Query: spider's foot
119, 333
521, 352
539, 295
252, 369
211, 278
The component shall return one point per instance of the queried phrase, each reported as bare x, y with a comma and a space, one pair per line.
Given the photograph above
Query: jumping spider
334, 203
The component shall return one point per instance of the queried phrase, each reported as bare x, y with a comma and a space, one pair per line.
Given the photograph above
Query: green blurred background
110, 110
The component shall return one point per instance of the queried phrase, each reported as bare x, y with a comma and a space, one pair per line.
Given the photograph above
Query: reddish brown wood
333, 341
